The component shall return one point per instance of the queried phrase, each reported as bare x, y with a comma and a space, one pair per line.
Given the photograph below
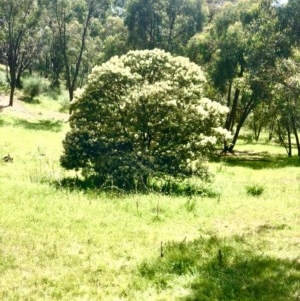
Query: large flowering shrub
141, 115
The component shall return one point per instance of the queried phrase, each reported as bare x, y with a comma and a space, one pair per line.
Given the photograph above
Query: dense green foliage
164, 24
141, 115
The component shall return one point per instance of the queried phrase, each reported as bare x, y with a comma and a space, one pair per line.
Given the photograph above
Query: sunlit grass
58, 243
47, 104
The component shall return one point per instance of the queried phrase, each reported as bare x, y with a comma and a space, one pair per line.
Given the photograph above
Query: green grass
58, 243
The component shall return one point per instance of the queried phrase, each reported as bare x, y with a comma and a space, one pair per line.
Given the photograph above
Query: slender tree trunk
271, 130
12, 77
257, 131
287, 145
231, 116
234, 108
281, 137
18, 81
11, 95
294, 125
71, 80
79, 59
297, 141
171, 28
63, 34
229, 94
289, 149
247, 110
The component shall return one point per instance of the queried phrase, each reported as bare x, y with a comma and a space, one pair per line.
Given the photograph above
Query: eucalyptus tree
214, 6
144, 23
114, 36
182, 20
240, 48
290, 20
164, 24
281, 114
54, 58
20, 40
287, 101
71, 21
221, 48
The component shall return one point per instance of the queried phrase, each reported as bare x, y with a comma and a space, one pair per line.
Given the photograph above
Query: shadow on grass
76, 183
249, 279
29, 99
98, 183
222, 272
261, 160
41, 125
91, 185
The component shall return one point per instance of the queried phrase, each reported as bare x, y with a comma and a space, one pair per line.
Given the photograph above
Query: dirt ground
19, 109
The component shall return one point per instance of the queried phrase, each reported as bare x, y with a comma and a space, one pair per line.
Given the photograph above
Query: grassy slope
57, 244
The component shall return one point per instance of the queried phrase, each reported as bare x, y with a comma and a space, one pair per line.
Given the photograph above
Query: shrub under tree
142, 116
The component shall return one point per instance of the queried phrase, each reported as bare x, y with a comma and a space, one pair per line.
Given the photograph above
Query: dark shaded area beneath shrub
172, 188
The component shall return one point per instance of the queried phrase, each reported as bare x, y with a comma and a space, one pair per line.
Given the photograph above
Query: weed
255, 189
190, 205
32, 87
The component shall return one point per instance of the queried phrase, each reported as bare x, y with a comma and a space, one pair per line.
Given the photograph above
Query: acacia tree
142, 115
19, 21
